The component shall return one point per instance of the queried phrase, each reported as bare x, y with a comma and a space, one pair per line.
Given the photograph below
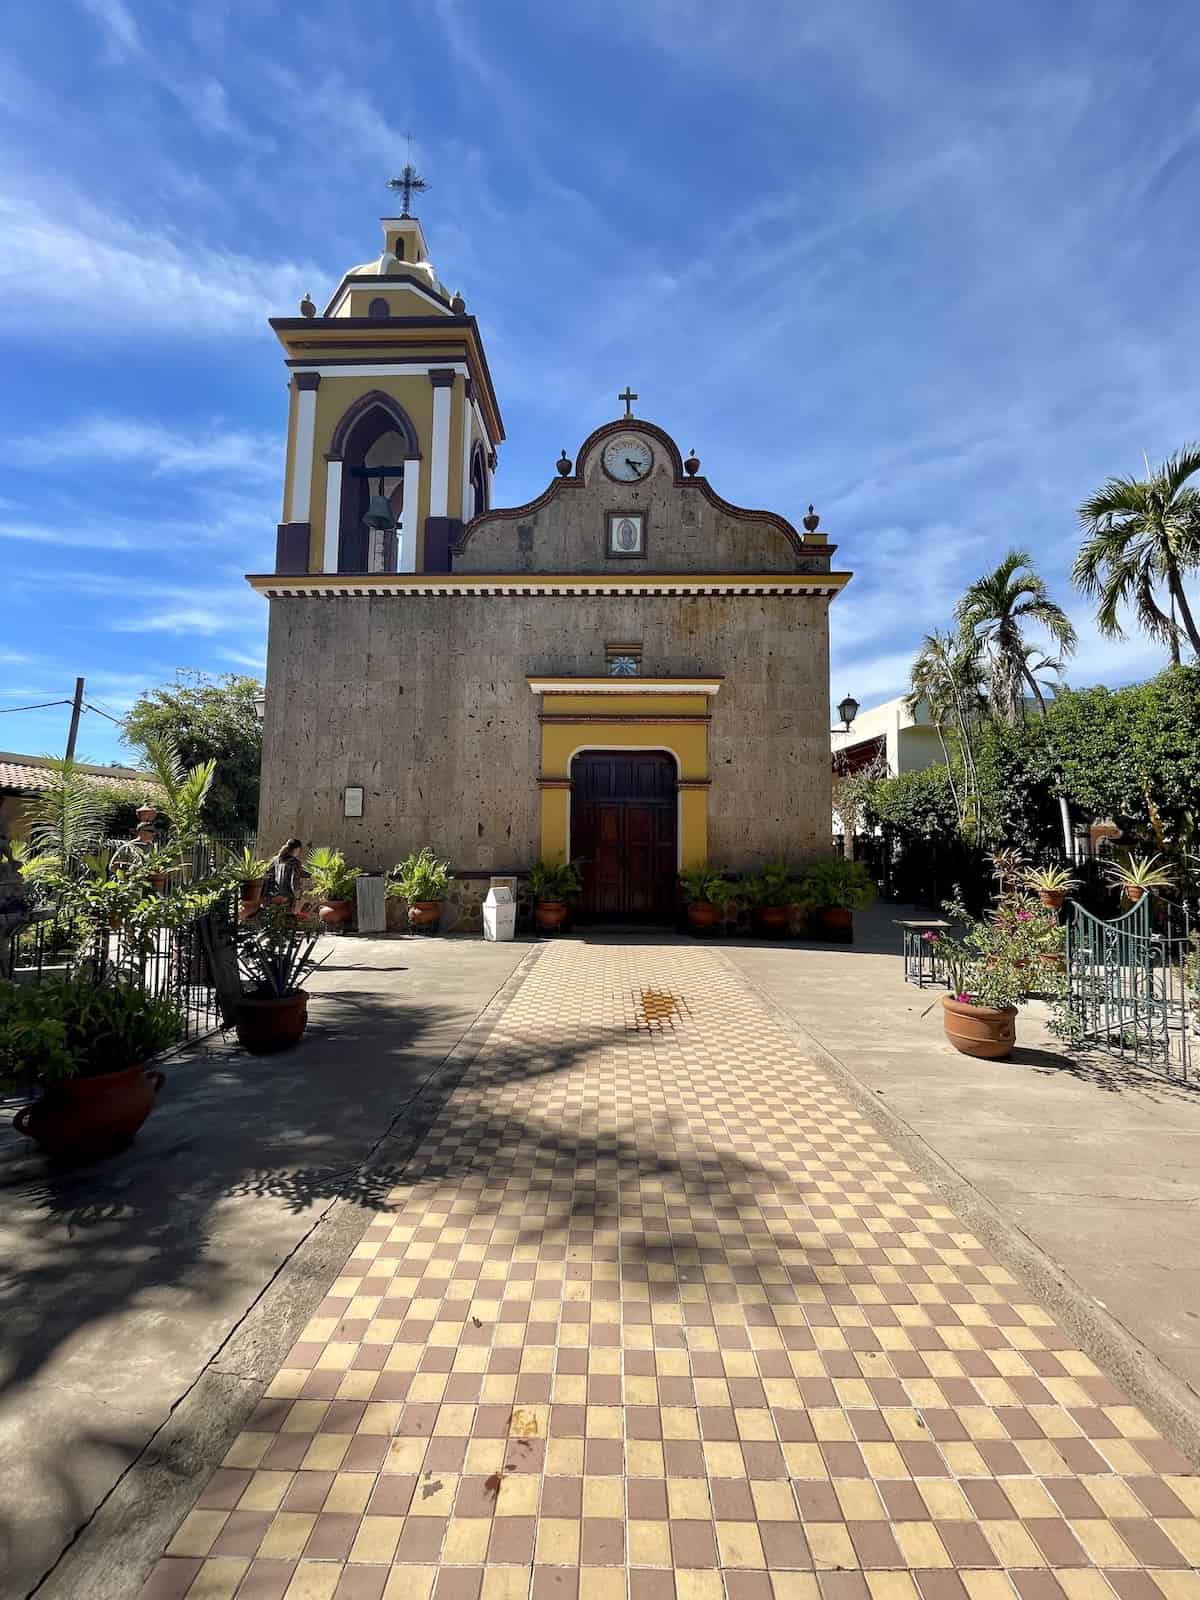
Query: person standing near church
284, 876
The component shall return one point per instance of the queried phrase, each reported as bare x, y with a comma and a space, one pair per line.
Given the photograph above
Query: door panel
623, 834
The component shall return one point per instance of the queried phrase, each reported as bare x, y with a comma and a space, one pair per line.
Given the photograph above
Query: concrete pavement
125, 1282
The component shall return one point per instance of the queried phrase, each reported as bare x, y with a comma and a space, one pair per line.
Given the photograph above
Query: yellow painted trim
598, 704
764, 582
289, 455
688, 743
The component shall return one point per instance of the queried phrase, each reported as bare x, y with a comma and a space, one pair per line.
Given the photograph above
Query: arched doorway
624, 834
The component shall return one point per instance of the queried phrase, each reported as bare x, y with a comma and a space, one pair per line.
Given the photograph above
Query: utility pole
76, 708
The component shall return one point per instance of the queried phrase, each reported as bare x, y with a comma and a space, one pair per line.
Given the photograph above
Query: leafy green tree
183, 792
208, 720
946, 677
66, 819
1142, 535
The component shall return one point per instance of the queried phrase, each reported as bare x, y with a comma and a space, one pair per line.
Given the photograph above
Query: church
627, 671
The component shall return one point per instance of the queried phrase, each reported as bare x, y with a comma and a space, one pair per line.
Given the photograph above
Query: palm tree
1142, 534
66, 819
993, 616
946, 678
184, 791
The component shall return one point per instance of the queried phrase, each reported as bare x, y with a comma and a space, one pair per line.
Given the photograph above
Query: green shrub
552, 884
775, 885
331, 878
80, 1027
420, 877
837, 883
706, 886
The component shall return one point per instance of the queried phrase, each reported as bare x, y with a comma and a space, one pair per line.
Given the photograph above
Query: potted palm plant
835, 890
708, 895
332, 885
421, 881
772, 893
243, 868
87, 1041
275, 953
551, 887
1052, 885
1138, 874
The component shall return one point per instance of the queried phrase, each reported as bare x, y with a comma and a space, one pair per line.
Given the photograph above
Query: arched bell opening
479, 484
374, 440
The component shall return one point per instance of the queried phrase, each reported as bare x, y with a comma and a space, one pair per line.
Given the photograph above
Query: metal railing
167, 962
1132, 989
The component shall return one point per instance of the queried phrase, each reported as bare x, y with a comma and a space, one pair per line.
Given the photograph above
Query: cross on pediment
629, 397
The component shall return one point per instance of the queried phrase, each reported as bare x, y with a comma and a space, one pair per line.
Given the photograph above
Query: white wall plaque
354, 801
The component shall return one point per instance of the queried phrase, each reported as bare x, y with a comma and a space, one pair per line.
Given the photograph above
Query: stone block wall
423, 701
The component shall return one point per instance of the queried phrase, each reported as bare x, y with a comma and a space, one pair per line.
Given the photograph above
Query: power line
41, 706
90, 707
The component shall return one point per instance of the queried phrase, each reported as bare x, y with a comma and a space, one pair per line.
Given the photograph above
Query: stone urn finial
811, 521
692, 465
307, 308
458, 305
564, 465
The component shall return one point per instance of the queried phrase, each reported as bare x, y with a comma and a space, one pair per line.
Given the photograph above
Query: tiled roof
21, 774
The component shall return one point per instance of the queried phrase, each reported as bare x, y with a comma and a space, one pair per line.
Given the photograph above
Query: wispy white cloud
121, 35
79, 537
60, 255
177, 619
209, 449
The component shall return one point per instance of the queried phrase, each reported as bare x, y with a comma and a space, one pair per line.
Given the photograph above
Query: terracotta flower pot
988, 1032
703, 916
836, 923
425, 914
84, 1118
1053, 899
1133, 892
266, 1023
249, 899
336, 913
549, 915
773, 920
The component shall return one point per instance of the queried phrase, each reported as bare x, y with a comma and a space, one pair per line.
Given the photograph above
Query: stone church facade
627, 671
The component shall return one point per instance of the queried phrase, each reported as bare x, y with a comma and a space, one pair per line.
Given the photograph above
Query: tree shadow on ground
243, 1143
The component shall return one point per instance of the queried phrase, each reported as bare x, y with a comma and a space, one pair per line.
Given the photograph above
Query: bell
379, 513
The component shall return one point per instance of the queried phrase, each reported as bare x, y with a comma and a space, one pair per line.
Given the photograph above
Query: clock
628, 458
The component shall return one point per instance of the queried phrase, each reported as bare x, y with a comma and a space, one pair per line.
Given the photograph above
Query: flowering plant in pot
772, 893
275, 954
708, 895
422, 881
1052, 885
332, 885
1136, 875
835, 890
87, 1041
552, 885
992, 965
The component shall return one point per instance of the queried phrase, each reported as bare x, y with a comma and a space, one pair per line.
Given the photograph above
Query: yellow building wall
401, 303
290, 455
415, 393
458, 421
687, 741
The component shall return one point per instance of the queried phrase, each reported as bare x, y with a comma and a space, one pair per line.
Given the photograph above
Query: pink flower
1024, 916
930, 937
964, 999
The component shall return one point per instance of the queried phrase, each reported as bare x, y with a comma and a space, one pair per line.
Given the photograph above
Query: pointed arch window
479, 482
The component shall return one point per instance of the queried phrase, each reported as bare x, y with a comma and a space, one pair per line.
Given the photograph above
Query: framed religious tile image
354, 800
626, 533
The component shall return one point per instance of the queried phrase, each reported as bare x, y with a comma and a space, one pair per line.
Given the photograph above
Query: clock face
627, 458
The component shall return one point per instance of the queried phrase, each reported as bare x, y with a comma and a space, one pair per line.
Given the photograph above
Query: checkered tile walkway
657, 1315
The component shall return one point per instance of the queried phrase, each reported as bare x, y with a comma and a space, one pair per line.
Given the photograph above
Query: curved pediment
628, 499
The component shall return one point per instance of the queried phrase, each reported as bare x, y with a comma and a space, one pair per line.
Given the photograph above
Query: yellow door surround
600, 713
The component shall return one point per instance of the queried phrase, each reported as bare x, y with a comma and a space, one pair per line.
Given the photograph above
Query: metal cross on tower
408, 183
629, 397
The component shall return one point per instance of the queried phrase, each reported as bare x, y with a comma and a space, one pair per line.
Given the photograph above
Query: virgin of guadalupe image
627, 535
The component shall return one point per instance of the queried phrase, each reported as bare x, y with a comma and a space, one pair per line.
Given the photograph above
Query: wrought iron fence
167, 962
1133, 985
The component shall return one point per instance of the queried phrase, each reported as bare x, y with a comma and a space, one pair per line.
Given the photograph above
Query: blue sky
930, 266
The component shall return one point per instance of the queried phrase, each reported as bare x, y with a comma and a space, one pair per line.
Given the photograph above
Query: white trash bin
499, 914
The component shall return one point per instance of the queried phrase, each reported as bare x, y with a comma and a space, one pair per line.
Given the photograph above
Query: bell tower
393, 425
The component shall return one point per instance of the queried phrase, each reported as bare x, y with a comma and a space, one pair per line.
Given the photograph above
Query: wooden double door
624, 810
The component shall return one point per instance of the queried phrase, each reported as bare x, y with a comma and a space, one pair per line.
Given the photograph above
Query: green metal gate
1129, 990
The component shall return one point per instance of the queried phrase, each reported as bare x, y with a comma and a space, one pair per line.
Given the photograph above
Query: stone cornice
814, 585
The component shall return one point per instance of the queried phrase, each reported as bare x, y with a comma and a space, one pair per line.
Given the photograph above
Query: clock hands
630, 462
